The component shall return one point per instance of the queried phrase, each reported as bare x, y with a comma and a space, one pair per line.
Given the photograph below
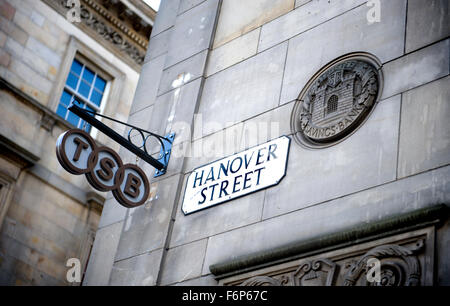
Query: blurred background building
51, 52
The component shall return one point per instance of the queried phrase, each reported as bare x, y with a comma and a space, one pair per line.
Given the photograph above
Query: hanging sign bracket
166, 142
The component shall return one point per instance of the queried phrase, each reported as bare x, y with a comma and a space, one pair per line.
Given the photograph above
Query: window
332, 104
84, 86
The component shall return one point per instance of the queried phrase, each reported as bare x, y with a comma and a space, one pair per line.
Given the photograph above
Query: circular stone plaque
336, 101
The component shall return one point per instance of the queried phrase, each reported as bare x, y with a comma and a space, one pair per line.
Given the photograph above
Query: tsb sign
104, 170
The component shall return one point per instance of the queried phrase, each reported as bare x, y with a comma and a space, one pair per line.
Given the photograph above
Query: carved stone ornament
259, 281
398, 266
116, 34
320, 272
337, 100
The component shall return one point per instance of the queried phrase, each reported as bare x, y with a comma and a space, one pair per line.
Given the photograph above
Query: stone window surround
7, 185
115, 78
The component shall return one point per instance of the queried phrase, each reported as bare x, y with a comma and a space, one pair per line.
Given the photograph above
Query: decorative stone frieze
113, 25
399, 265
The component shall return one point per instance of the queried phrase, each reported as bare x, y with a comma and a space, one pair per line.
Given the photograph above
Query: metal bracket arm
166, 142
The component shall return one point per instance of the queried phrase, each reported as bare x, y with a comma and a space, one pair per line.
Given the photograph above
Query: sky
154, 4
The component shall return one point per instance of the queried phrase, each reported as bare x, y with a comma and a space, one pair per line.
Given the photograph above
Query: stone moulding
364, 232
399, 265
110, 31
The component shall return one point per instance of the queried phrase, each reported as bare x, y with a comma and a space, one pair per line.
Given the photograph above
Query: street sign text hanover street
237, 175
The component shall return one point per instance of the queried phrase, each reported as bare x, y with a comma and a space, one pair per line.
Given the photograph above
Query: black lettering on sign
106, 172
132, 185
81, 145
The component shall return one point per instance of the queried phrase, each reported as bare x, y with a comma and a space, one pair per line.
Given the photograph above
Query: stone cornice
365, 232
113, 25
130, 33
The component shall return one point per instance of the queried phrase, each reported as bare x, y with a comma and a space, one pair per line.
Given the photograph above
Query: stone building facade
47, 215
227, 75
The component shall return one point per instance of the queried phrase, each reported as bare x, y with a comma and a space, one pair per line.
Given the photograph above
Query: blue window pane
87, 128
84, 89
100, 84
76, 67
72, 81
65, 98
73, 119
61, 111
88, 75
96, 97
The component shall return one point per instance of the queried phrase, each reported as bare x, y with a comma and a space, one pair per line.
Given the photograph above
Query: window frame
94, 60
85, 63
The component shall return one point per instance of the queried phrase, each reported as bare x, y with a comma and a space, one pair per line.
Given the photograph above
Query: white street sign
237, 175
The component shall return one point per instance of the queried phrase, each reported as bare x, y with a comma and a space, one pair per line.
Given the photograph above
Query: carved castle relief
336, 102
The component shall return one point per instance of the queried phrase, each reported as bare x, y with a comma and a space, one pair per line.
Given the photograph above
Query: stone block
167, 14
37, 18
141, 117
17, 81
148, 84
145, 227
301, 2
203, 281
425, 132
202, 224
41, 226
239, 17
193, 31
5, 58
29, 236
370, 205
13, 48
140, 270
346, 33
428, 21
112, 212
7, 10
303, 19
243, 91
174, 111
267, 126
187, 5
370, 153
42, 279
34, 62
53, 268
158, 45
17, 251
233, 52
182, 73
13, 31
102, 256
45, 38
31, 77
213, 147
24, 6
3, 38
184, 262
44, 52
416, 68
